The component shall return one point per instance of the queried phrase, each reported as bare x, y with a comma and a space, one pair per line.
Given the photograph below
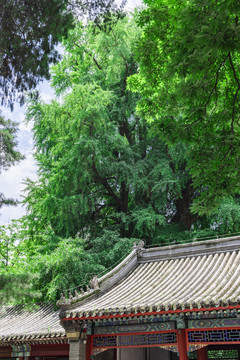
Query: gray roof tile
187, 276
18, 324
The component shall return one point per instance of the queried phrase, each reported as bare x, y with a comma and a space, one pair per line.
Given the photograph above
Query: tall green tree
99, 166
189, 81
105, 178
29, 33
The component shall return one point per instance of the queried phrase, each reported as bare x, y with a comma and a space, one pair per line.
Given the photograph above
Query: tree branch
236, 93
233, 68
216, 82
94, 59
104, 182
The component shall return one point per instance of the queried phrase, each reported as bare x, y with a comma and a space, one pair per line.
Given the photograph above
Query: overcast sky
11, 180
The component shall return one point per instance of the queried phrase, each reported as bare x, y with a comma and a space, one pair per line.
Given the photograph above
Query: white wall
153, 353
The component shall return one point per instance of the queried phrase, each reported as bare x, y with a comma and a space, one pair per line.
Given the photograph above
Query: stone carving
139, 248
89, 289
74, 326
141, 244
94, 283
63, 301
76, 295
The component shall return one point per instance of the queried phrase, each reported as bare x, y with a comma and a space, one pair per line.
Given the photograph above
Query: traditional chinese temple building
161, 303
166, 303
34, 335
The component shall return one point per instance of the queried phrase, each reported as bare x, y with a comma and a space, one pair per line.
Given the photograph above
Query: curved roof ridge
173, 277
194, 248
105, 282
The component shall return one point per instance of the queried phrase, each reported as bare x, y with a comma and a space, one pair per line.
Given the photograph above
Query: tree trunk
183, 214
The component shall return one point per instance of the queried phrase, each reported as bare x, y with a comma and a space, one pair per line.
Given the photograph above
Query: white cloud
11, 180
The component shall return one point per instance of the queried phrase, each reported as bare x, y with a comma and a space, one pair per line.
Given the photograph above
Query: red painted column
89, 347
182, 344
202, 353
5, 352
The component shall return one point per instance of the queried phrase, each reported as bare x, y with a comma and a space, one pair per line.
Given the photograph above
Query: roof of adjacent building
19, 325
187, 276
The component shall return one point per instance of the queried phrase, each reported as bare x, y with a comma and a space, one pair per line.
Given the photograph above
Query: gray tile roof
16, 324
203, 274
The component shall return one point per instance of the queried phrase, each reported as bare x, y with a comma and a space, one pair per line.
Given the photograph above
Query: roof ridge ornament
63, 301
94, 283
90, 289
139, 248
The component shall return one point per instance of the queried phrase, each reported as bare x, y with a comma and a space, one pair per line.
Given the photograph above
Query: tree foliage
189, 83
64, 265
9, 155
30, 31
16, 281
99, 166
106, 177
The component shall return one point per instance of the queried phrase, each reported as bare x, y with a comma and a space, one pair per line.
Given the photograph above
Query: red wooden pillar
182, 344
5, 352
202, 353
89, 347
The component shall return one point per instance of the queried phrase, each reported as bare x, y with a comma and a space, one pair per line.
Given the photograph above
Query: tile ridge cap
194, 248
